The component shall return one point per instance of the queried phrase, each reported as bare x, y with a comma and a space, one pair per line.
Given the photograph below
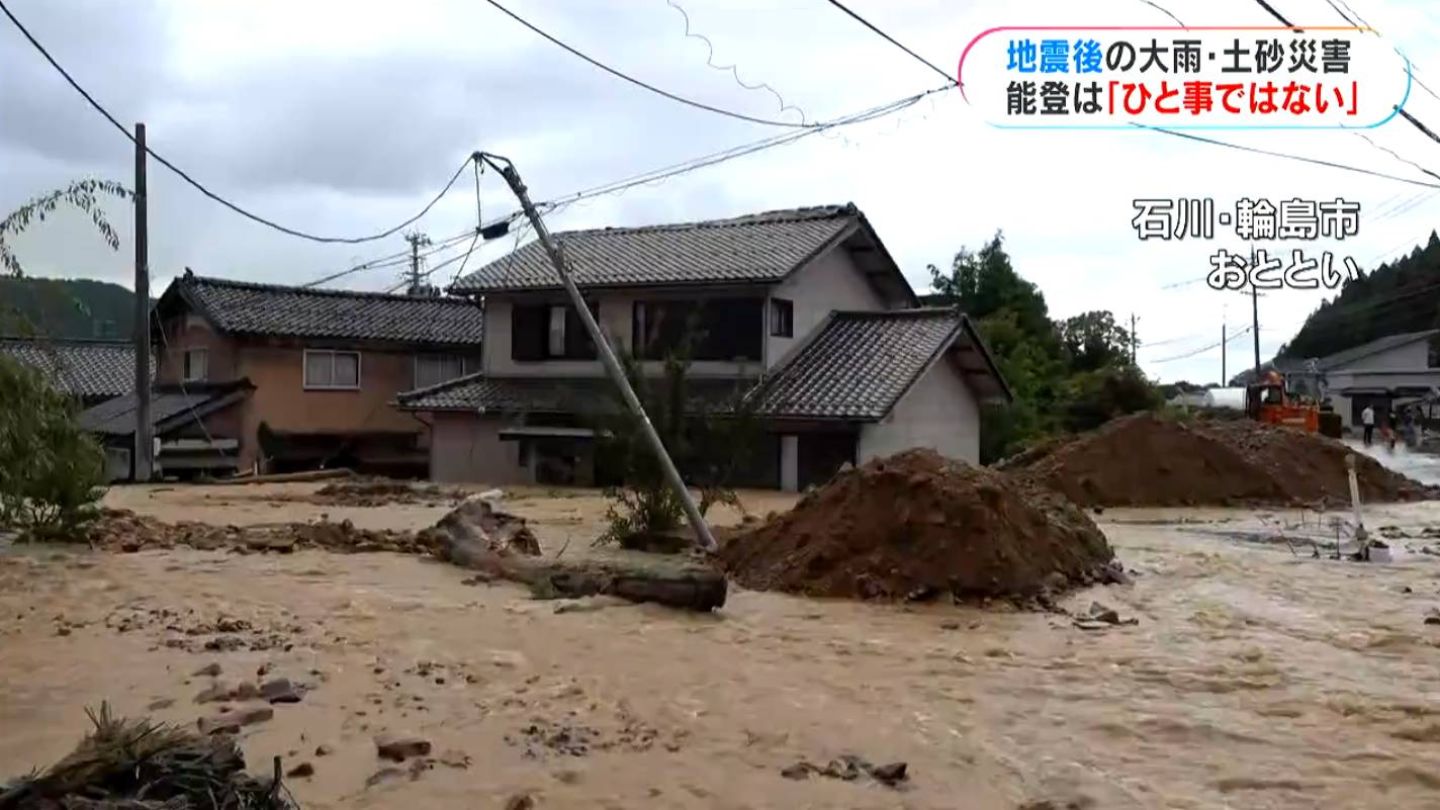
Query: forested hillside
1401, 296
65, 308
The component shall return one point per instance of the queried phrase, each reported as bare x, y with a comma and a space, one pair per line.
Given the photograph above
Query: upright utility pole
1134, 339
1224, 378
144, 461
416, 240
1255, 313
607, 355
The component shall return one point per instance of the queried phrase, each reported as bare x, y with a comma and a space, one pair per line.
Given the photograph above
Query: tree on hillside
1396, 297
1092, 340
1064, 376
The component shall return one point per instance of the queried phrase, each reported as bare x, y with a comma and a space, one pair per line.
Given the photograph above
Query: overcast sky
343, 118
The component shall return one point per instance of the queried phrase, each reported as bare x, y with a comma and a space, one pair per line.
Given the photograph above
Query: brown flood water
1255, 678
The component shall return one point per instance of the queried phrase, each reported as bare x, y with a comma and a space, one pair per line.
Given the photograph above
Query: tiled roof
244, 308
763, 247
858, 364
116, 417
1343, 358
544, 394
81, 368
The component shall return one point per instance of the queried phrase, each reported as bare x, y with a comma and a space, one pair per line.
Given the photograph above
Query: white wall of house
831, 282
466, 448
1409, 357
940, 412
1405, 366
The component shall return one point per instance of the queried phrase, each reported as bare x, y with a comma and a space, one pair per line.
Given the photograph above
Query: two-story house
804, 308
280, 378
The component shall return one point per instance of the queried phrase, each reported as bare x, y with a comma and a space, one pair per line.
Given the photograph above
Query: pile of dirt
1147, 460
382, 491
139, 765
918, 524
123, 530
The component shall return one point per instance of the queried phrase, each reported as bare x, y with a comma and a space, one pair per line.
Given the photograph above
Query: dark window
1433, 359
550, 332
719, 329
782, 318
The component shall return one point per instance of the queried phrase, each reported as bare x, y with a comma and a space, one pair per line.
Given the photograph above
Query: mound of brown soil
920, 523
381, 491
1146, 460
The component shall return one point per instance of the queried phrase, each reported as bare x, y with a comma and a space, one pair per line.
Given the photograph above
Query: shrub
51, 471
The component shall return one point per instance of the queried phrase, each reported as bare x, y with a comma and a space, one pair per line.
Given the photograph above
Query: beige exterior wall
191, 332
939, 412
831, 282
467, 449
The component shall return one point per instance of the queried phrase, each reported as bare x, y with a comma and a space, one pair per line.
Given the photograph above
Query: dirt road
1255, 678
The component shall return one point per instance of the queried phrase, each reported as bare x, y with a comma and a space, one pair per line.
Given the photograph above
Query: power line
201, 187
1204, 349
1377, 33
393, 260
1286, 156
637, 82
917, 57
733, 69
1277, 15
1164, 11
1343, 15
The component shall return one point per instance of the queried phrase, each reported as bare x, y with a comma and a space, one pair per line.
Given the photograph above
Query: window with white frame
433, 369
196, 365
332, 370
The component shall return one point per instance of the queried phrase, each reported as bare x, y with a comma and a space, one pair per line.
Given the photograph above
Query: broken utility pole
607, 355
144, 462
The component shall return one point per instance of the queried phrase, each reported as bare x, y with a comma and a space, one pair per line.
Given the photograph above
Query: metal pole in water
1360, 536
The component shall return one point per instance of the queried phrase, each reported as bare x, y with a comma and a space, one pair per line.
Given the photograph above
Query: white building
803, 308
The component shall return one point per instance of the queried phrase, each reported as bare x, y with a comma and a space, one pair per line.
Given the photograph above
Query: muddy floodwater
1258, 676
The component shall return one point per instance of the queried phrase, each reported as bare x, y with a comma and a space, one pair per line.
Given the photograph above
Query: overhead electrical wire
733, 69
393, 260
197, 185
1202, 350
917, 57
637, 82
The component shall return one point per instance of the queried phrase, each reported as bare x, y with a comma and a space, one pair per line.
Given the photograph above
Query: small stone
1432, 616
257, 714
301, 771
246, 691
162, 703
62, 630
439, 681
890, 774
210, 670
262, 670
324, 750
949, 625
800, 770
398, 747
280, 690
1102, 613
215, 693
520, 801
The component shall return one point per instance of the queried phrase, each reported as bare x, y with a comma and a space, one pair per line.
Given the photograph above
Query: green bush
51, 472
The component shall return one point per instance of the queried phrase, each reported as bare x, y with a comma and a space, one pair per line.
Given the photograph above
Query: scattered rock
215, 693
398, 747
520, 801
419, 766
301, 771
324, 750
848, 768
162, 703
1432, 616
949, 625
62, 630
280, 690
1100, 617
231, 722
210, 670
478, 579
247, 691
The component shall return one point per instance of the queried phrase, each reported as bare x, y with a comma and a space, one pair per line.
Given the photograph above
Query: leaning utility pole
607, 355
143, 464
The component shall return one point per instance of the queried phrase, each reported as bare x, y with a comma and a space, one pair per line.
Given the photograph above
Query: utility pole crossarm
607, 355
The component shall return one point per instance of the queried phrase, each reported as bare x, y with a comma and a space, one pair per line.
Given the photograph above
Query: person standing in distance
1367, 419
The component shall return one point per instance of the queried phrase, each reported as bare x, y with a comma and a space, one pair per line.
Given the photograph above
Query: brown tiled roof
90, 369
857, 365
756, 248
170, 406
245, 308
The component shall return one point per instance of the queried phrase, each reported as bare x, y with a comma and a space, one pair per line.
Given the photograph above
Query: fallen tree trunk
281, 478
475, 535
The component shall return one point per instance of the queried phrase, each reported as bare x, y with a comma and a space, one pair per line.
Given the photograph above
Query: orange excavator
1267, 401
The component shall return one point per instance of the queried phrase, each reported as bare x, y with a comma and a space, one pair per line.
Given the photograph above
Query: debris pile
916, 525
122, 530
382, 492
140, 765
1147, 460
